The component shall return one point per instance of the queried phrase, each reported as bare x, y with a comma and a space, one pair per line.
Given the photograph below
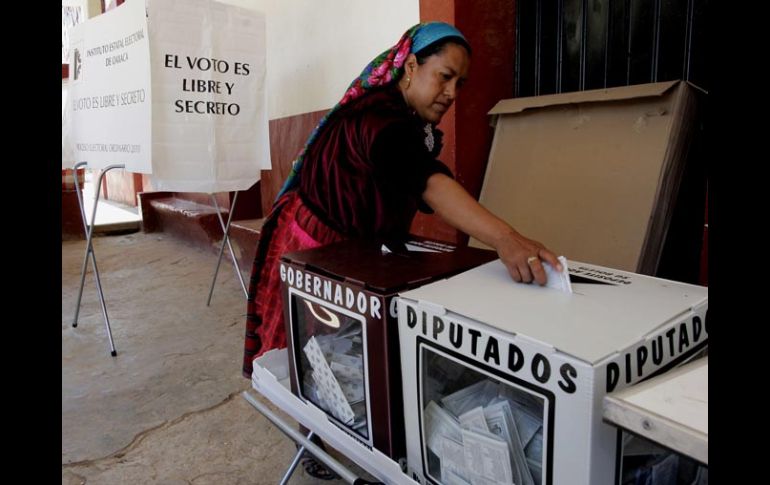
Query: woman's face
433, 86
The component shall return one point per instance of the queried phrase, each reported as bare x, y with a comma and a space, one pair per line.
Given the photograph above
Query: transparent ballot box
342, 329
503, 383
479, 427
332, 367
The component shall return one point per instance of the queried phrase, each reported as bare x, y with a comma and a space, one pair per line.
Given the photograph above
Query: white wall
316, 47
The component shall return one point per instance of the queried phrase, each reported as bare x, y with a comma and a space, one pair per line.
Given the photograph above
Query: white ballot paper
474, 419
324, 398
354, 363
478, 394
439, 424
558, 280
353, 389
346, 371
501, 423
328, 387
487, 458
527, 424
451, 478
453, 462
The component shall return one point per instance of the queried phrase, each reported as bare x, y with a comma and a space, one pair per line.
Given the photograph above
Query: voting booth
503, 382
342, 328
593, 174
153, 91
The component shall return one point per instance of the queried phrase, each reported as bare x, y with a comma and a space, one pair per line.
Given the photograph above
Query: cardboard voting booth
340, 312
171, 88
503, 382
593, 174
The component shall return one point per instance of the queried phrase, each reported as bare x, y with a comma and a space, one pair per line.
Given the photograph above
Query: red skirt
289, 227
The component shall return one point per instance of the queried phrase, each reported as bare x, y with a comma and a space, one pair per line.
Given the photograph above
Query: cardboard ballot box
503, 382
342, 328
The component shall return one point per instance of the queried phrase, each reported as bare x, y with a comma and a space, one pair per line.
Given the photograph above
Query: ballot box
503, 382
342, 328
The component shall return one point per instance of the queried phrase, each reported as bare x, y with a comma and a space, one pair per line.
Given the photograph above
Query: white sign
210, 127
108, 104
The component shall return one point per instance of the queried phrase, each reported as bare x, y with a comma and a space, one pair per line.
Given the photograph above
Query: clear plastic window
330, 360
646, 463
477, 428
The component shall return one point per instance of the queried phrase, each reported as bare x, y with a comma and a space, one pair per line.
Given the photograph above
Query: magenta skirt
291, 226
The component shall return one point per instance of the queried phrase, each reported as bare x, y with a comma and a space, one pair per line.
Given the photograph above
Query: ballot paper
467, 398
324, 399
487, 458
448, 477
453, 469
438, 425
558, 280
501, 423
353, 362
409, 248
474, 419
524, 401
346, 371
419, 247
327, 385
353, 389
526, 423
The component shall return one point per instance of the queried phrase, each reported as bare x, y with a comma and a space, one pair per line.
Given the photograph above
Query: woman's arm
451, 201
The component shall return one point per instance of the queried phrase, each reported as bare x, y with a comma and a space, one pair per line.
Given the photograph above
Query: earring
408, 81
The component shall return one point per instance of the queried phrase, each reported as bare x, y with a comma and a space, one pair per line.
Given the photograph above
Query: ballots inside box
343, 334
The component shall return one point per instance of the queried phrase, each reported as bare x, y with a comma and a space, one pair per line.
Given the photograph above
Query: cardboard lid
594, 181
601, 317
517, 105
366, 264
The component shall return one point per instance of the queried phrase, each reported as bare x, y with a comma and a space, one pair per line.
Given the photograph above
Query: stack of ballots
485, 434
335, 377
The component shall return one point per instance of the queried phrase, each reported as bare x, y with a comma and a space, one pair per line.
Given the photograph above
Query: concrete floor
168, 408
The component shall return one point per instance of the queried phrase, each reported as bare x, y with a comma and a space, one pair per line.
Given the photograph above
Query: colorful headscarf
383, 70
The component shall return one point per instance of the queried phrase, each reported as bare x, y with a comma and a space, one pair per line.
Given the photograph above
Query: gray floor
168, 408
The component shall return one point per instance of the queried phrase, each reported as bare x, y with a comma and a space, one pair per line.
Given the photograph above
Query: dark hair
436, 47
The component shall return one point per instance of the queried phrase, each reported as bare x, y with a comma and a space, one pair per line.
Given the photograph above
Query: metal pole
294, 462
226, 230
226, 240
89, 250
216, 271
295, 435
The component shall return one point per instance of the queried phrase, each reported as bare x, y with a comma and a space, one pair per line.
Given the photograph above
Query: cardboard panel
592, 175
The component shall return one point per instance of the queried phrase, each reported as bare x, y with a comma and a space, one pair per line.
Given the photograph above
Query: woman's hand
524, 257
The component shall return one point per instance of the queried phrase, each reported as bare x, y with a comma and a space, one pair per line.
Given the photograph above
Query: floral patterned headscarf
385, 69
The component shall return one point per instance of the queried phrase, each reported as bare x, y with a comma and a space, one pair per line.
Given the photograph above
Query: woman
368, 167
